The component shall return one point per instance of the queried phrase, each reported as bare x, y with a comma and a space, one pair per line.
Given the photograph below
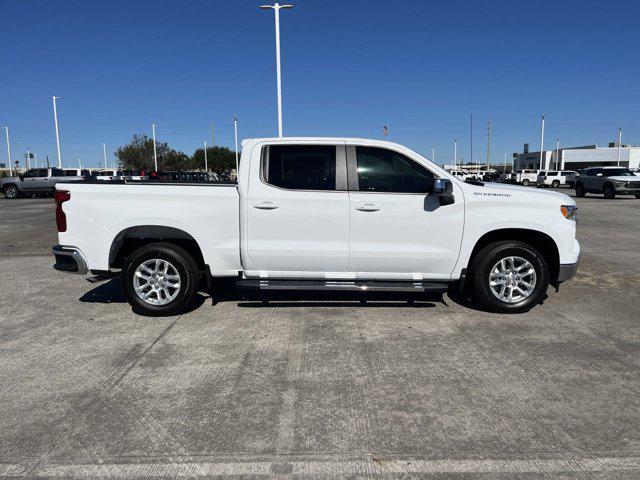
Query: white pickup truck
321, 214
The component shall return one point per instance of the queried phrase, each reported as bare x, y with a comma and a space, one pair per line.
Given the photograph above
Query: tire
638, 196
525, 182
505, 255
163, 299
580, 190
11, 192
571, 184
609, 192
555, 184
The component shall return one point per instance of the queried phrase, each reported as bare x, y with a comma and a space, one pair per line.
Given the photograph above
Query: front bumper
70, 260
567, 271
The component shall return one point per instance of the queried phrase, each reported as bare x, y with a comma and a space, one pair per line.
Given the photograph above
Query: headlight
569, 211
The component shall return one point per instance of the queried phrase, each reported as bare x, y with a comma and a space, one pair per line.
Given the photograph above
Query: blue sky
349, 67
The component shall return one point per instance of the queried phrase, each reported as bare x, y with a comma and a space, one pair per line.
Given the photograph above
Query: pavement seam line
101, 396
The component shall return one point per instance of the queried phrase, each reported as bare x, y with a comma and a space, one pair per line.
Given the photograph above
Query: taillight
61, 196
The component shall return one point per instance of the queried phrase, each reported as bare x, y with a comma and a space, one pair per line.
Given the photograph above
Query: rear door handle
368, 207
266, 205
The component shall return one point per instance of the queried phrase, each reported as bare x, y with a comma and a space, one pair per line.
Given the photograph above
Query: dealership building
575, 158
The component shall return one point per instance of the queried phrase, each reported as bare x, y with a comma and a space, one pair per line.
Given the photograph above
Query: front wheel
525, 182
580, 190
509, 277
555, 183
160, 279
11, 192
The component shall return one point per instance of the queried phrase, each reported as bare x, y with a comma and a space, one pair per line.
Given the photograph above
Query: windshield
618, 172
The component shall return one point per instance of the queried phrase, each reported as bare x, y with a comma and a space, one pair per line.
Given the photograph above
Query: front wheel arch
542, 242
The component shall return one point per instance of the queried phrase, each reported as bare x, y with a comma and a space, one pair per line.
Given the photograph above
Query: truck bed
97, 213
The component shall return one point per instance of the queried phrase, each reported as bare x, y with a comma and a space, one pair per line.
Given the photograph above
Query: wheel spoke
156, 281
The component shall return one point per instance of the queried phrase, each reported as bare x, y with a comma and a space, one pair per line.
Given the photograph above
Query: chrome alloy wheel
156, 281
512, 279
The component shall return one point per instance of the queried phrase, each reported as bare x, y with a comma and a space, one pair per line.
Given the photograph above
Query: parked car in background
490, 176
505, 176
36, 180
554, 178
107, 174
77, 172
609, 181
460, 175
525, 177
321, 214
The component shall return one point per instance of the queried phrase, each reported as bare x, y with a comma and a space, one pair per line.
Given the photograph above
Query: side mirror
443, 189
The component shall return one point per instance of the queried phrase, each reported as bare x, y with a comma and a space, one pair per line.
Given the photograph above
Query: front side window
301, 167
382, 170
56, 172
31, 173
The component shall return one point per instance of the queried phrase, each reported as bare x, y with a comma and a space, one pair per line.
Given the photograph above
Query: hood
535, 194
624, 179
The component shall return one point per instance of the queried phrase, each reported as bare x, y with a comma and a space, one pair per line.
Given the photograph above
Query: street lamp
206, 167
9, 152
276, 9
542, 144
155, 152
104, 153
235, 134
55, 119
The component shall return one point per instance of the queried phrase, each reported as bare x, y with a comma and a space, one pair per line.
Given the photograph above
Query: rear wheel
638, 196
579, 190
609, 192
509, 277
555, 183
11, 192
160, 279
525, 182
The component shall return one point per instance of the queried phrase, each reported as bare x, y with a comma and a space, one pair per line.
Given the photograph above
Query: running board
359, 286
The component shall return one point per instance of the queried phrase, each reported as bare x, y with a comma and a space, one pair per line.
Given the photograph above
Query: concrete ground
320, 387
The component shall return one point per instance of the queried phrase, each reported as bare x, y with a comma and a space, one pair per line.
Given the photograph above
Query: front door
398, 230
297, 212
36, 179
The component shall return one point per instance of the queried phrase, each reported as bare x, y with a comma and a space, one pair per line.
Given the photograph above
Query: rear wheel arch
542, 242
133, 238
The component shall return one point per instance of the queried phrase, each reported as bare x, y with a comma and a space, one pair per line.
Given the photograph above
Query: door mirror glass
443, 189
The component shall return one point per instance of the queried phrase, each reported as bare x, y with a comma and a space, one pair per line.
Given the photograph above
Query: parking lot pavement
321, 387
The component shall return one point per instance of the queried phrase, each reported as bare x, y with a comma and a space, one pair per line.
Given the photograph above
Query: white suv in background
525, 177
555, 178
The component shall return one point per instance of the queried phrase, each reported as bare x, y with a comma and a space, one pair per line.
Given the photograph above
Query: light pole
155, 152
433, 155
276, 9
455, 153
35, 158
104, 153
235, 133
542, 144
79, 164
213, 136
206, 169
55, 120
557, 152
619, 143
9, 152
28, 162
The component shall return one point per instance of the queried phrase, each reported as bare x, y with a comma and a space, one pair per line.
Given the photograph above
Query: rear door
398, 230
297, 211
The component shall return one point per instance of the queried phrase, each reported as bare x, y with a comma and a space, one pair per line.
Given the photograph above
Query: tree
138, 155
219, 159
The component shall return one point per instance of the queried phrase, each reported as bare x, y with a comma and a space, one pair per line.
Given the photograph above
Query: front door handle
368, 207
266, 205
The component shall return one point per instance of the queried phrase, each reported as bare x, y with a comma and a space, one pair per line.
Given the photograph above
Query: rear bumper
70, 260
567, 271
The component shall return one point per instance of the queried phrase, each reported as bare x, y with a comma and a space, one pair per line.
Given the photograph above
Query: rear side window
70, 173
56, 172
382, 170
300, 167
